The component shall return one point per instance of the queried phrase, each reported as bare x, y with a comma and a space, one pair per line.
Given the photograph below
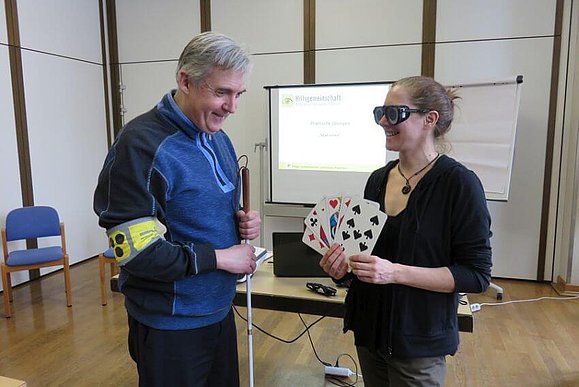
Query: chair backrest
32, 222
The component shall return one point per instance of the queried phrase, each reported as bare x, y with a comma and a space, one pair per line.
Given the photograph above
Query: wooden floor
47, 344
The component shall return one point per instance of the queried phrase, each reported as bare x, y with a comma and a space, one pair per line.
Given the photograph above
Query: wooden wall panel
516, 223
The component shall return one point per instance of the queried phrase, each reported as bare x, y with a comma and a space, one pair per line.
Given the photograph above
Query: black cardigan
446, 223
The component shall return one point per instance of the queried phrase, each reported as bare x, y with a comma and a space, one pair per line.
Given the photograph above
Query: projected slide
330, 128
324, 140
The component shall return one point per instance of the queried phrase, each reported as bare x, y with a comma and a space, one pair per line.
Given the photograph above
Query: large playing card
360, 227
346, 202
312, 240
317, 221
333, 206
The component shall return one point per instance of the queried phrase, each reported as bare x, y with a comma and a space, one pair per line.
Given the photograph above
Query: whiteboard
323, 138
483, 132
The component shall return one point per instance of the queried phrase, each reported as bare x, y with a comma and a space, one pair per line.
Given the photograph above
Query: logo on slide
287, 100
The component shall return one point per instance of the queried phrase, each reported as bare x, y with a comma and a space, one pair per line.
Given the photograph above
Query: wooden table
291, 295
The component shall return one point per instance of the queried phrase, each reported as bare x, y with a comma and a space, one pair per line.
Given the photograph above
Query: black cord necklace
407, 187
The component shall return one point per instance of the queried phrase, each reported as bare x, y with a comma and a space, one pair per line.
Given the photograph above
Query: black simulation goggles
395, 114
327, 291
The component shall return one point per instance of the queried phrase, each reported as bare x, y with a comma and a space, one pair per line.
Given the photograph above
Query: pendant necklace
407, 187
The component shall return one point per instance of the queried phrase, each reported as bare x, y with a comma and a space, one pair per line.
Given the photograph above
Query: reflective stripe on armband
130, 238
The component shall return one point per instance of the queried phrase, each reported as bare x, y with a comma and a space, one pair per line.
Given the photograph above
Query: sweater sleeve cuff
204, 259
469, 281
345, 281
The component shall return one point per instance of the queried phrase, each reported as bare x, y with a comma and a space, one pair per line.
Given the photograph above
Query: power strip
475, 307
338, 371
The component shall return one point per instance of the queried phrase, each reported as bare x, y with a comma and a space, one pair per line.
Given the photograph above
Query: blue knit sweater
162, 166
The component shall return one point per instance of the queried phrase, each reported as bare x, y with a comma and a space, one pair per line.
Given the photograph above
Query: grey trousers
380, 370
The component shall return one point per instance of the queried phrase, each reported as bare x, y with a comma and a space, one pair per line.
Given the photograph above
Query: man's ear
183, 82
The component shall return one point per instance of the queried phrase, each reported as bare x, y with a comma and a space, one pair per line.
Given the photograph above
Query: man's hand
249, 224
238, 259
334, 262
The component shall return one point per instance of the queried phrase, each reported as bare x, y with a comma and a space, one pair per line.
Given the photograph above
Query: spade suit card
360, 228
346, 202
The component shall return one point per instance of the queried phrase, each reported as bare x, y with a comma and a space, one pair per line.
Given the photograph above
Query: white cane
245, 187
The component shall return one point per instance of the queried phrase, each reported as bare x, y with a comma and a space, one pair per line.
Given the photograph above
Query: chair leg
6, 286
102, 270
67, 282
114, 269
10, 289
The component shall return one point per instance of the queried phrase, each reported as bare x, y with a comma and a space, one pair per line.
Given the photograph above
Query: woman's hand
334, 262
373, 269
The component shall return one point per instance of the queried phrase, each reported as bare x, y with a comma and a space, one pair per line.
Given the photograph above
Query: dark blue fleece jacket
162, 166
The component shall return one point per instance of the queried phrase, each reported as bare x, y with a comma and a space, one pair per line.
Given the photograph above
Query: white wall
373, 43
9, 169
65, 100
150, 46
516, 223
63, 84
63, 89
278, 60
151, 36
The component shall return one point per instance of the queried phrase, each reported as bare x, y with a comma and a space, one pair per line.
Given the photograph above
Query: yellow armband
130, 238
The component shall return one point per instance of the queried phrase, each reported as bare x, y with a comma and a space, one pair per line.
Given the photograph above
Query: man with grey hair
168, 196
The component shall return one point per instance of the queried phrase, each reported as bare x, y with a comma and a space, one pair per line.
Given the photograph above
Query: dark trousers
381, 370
204, 356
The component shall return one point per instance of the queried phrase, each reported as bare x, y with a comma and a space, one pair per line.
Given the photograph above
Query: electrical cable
475, 307
279, 338
340, 382
332, 379
311, 342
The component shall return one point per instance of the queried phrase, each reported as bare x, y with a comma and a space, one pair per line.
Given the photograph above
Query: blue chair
31, 223
107, 257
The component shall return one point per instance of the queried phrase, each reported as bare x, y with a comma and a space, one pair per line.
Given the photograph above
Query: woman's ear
431, 118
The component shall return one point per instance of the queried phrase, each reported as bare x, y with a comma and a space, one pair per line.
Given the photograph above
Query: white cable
475, 307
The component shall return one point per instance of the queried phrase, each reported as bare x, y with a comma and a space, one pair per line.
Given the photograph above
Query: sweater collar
441, 165
171, 111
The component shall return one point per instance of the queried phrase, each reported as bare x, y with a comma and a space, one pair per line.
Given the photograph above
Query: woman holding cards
403, 299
